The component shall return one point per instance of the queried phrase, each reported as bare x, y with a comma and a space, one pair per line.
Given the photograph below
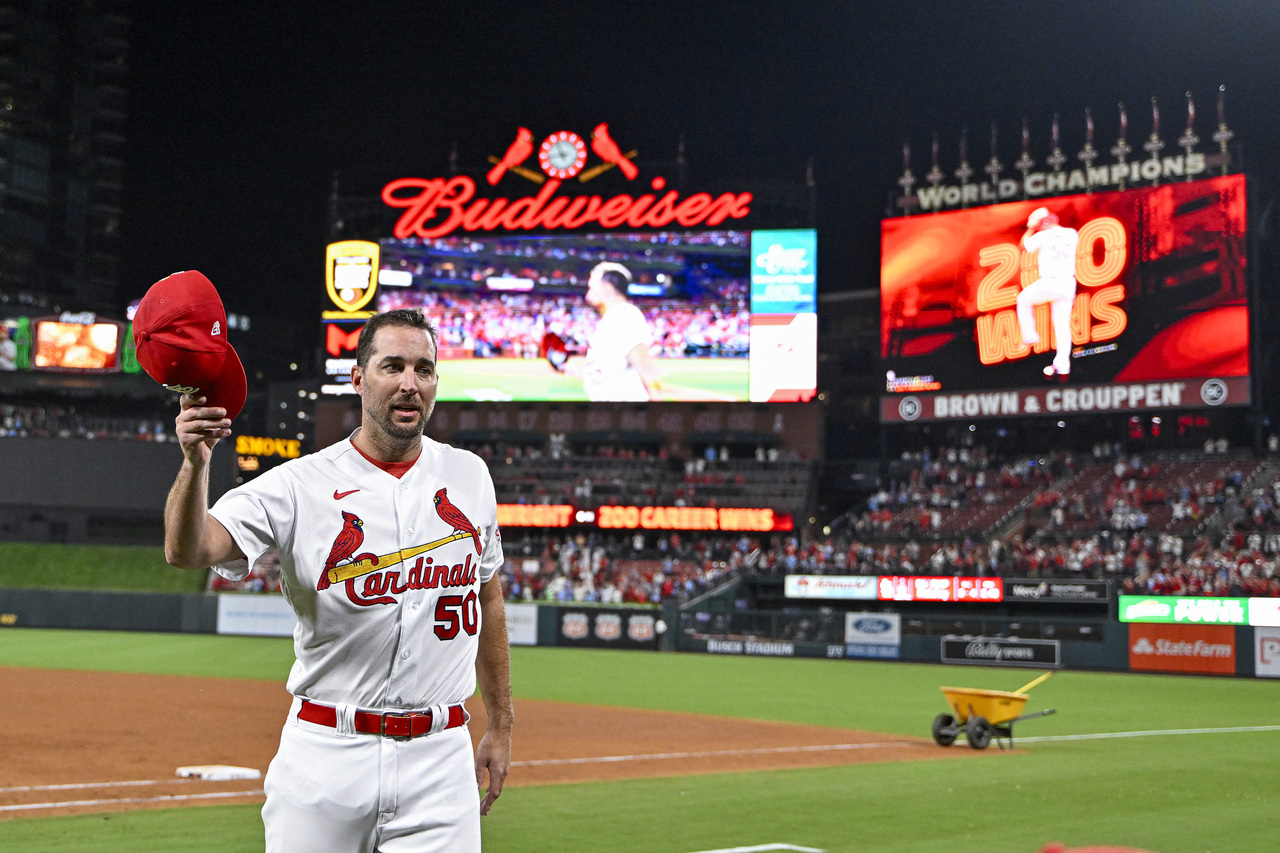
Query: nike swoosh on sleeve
337, 495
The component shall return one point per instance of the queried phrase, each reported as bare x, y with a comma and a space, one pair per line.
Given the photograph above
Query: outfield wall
77, 491
1232, 651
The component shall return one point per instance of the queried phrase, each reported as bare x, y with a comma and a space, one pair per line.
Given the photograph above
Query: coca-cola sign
1000, 651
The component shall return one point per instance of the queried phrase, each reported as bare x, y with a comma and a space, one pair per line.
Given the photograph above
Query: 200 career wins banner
1159, 316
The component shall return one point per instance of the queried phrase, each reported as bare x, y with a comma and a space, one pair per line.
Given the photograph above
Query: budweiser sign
434, 207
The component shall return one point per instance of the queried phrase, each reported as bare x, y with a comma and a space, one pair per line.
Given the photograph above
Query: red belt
393, 724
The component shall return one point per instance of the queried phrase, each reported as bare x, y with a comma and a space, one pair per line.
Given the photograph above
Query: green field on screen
711, 379
1120, 762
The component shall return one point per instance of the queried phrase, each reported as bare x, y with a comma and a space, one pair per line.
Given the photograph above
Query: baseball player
388, 544
619, 366
1056, 259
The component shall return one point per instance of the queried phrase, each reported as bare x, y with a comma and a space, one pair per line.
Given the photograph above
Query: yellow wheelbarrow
983, 714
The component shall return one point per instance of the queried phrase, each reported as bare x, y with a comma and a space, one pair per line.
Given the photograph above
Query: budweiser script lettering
438, 206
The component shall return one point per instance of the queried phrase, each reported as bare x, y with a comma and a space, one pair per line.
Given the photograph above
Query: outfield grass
121, 568
1172, 793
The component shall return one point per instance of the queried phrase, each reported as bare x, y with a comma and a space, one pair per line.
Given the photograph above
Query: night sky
243, 112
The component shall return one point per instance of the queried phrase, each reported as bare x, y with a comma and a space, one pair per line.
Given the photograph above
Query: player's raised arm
192, 538
493, 672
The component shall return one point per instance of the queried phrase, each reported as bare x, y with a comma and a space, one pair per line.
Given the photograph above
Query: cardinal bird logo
516, 154
344, 545
606, 149
453, 516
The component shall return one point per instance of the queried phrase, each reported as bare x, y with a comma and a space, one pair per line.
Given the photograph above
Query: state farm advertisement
1207, 649
1128, 301
913, 588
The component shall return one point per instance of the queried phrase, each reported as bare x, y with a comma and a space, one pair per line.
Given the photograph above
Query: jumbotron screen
1157, 317
81, 343
726, 316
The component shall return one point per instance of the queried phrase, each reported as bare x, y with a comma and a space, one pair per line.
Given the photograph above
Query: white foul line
593, 760
1152, 733
659, 756
172, 798
74, 786
760, 848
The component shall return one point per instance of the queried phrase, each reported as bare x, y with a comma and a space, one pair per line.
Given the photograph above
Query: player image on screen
520, 316
1139, 286
1055, 250
619, 367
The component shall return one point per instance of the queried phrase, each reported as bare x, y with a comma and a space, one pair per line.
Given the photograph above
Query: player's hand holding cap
180, 333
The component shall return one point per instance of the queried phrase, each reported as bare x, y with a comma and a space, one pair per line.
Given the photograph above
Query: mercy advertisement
1157, 317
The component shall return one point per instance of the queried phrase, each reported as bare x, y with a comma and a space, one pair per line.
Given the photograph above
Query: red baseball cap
180, 334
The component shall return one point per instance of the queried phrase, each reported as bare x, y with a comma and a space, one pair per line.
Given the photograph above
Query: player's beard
402, 432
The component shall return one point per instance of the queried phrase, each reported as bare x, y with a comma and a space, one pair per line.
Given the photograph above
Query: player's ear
357, 377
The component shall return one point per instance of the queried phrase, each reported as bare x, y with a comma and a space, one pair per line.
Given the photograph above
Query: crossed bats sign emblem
343, 563
601, 143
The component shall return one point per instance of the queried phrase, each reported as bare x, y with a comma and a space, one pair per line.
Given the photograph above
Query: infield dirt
78, 741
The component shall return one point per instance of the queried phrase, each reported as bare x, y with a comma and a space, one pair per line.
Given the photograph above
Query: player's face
398, 386
597, 288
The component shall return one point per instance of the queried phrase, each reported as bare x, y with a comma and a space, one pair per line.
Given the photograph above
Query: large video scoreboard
1160, 317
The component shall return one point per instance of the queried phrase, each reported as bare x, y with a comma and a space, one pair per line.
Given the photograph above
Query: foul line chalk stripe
594, 760
762, 848
605, 759
172, 798
1152, 733
660, 756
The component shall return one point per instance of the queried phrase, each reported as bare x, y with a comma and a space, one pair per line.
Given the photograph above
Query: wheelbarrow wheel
945, 729
979, 732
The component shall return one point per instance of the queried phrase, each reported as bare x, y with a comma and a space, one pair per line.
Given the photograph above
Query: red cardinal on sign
344, 545
453, 516
608, 150
516, 154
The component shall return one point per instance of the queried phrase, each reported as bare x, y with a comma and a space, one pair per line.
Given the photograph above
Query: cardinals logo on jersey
350, 538
453, 516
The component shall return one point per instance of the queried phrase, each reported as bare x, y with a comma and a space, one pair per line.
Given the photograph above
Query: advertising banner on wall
522, 624
1266, 652
841, 587
1055, 591
607, 628
1185, 609
1160, 647
1000, 651
1138, 304
255, 615
1264, 612
872, 635
942, 589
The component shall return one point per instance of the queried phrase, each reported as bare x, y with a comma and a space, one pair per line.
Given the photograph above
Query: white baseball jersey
1057, 248
403, 633
609, 375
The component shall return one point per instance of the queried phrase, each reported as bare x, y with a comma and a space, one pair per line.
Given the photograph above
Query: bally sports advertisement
1156, 317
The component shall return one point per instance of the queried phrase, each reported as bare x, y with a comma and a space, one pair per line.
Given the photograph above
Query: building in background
63, 109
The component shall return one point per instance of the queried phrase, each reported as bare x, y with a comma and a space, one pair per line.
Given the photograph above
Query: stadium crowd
1079, 523
68, 421
512, 325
